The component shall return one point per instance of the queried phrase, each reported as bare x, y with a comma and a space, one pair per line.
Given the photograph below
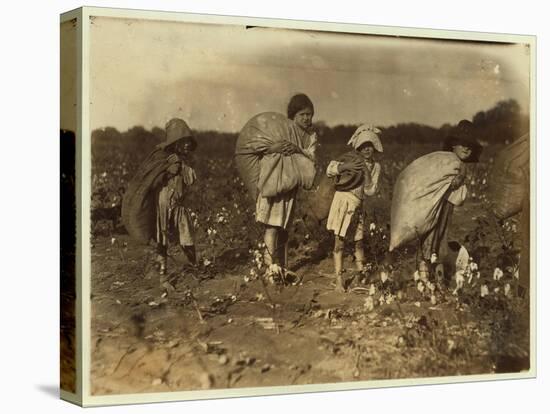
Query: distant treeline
496, 126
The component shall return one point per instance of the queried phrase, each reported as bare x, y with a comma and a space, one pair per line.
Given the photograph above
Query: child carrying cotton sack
355, 176
427, 190
275, 157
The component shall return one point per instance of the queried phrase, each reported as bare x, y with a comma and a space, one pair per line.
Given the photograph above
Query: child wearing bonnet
355, 175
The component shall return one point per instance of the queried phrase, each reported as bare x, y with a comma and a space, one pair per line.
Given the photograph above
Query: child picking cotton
356, 175
156, 204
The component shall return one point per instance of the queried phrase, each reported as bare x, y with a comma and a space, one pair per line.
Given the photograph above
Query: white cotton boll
372, 289
459, 278
507, 289
416, 276
420, 287
372, 227
498, 273
433, 258
383, 276
462, 259
369, 303
484, 291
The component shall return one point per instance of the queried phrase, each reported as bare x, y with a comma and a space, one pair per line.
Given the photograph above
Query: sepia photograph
276, 206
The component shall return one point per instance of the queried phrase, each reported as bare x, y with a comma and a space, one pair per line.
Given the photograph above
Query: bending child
155, 205
173, 220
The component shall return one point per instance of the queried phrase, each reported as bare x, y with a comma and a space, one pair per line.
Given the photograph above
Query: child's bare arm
372, 188
457, 182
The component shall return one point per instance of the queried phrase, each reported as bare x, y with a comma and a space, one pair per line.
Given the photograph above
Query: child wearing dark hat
427, 191
155, 205
173, 220
462, 143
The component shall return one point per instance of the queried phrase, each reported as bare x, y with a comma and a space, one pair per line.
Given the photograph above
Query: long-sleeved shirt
369, 187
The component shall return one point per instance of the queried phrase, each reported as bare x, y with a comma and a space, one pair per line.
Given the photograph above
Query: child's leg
282, 247
338, 254
359, 254
162, 254
270, 240
190, 253
358, 239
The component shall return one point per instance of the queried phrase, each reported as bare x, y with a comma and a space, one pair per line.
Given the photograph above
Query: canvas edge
83, 203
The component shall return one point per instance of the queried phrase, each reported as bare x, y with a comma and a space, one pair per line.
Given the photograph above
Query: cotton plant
484, 290
372, 290
369, 303
258, 264
459, 280
497, 274
507, 289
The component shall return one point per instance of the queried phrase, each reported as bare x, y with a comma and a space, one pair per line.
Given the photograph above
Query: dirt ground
215, 330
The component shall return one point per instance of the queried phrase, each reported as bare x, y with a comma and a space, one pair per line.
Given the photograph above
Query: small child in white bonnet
356, 175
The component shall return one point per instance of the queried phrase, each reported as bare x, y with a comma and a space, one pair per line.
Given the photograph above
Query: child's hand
174, 168
457, 182
173, 158
290, 149
353, 166
281, 147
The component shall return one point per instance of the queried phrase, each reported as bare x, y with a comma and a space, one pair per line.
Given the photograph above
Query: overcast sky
217, 77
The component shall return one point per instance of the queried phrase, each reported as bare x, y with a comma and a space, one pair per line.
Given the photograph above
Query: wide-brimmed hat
465, 134
177, 129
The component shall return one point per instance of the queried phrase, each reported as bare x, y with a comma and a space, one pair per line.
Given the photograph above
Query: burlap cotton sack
509, 179
271, 174
419, 195
139, 201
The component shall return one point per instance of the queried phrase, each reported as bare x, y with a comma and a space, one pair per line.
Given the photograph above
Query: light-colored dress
173, 217
345, 208
277, 211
